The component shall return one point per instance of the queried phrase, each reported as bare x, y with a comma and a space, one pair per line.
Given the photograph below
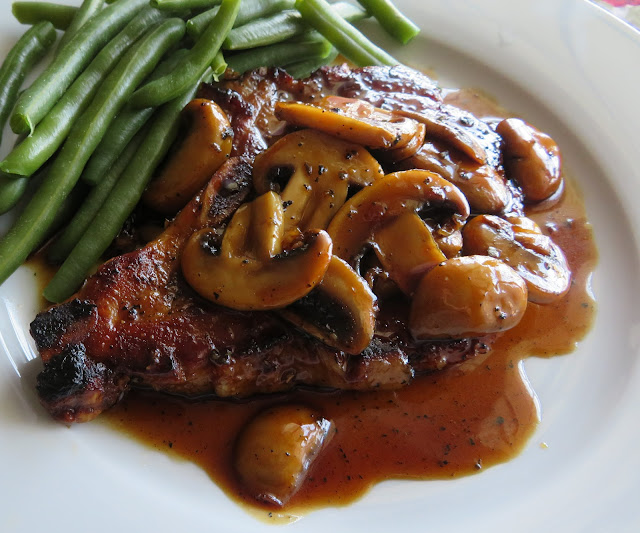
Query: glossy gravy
445, 425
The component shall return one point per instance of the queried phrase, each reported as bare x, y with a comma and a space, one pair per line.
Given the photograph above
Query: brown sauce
445, 425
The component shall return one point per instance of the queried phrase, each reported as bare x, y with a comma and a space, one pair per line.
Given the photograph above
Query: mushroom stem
244, 274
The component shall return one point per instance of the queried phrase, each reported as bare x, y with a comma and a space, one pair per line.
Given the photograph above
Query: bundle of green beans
105, 110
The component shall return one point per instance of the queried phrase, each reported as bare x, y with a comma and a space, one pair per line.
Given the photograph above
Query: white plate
570, 68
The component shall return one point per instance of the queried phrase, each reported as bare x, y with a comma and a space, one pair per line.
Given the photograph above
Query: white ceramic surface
570, 68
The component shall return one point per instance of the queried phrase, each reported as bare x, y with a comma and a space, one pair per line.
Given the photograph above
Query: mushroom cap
312, 171
419, 191
531, 158
465, 297
275, 450
244, 273
205, 148
483, 185
520, 243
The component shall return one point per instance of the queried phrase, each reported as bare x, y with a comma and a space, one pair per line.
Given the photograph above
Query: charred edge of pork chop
47, 327
75, 389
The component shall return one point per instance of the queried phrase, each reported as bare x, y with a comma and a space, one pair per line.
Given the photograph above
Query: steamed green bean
200, 57
305, 67
281, 26
29, 49
249, 10
347, 39
50, 133
391, 19
38, 215
123, 128
279, 54
11, 190
37, 100
86, 10
172, 5
72, 233
33, 12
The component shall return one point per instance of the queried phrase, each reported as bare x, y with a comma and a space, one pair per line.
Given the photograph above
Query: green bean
303, 69
37, 100
85, 12
347, 39
29, 49
391, 19
218, 66
69, 206
170, 5
72, 233
83, 138
11, 190
279, 54
33, 12
122, 199
281, 26
249, 10
123, 128
199, 59
51, 132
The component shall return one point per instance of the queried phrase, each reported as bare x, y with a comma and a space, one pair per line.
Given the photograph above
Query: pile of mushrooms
439, 230
329, 233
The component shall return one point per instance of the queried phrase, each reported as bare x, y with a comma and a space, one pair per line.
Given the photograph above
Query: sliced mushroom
318, 170
420, 191
276, 449
467, 297
353, 120
243, 274
205, 148
531, 158
341, 311
519, 242
408, 150
483, 186
406, 249
453, 127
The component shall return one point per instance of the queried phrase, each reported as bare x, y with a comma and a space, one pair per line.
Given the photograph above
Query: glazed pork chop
137, 323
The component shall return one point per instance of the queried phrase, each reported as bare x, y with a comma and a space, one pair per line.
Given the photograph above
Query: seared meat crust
136, 323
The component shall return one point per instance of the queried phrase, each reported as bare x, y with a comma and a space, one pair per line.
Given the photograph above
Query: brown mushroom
409, 149
201, 153
341, 311
451, 126
438, 201
275, 451
318, 170
406, 249
519, 242
531, 158
244, 274
467, 297
484, 187
354, 120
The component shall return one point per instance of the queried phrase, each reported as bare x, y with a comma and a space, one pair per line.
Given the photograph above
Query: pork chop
136, 323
